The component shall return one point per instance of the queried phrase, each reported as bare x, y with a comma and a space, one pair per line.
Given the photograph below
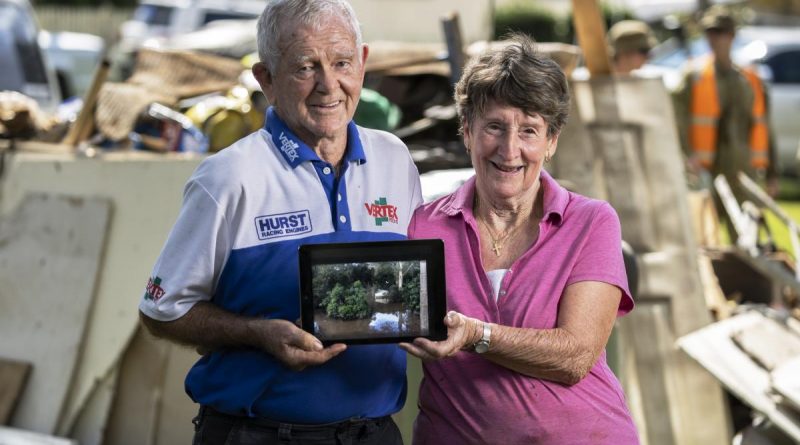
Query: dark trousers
215, 428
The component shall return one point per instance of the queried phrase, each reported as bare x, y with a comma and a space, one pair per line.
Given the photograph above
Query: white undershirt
496, 277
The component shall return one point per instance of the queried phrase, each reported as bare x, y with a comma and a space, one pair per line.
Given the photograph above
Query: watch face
481, 347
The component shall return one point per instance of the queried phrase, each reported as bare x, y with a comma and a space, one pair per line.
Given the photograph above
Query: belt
287, 427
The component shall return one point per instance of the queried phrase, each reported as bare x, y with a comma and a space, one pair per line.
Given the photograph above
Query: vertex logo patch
288, 147
283, 224
154, 290
382, 212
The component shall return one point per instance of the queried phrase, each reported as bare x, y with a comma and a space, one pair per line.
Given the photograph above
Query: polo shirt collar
295, 151
556, 198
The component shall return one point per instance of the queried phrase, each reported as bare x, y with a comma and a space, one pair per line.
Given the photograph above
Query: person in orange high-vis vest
722, 112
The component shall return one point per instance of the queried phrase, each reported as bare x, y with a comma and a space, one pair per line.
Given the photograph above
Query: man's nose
326, 80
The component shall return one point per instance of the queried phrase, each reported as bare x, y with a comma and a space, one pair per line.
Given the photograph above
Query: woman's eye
528, 132
494, 129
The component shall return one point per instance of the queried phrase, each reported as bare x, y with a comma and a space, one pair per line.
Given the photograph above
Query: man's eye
343, 64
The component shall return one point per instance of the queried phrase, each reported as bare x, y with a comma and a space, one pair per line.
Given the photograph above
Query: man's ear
264, 78
364, 54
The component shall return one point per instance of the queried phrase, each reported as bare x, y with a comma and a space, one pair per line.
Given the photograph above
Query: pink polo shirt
467, 399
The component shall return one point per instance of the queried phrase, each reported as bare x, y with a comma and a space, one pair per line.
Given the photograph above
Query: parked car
775, 51
74, 57
168, 18
24, 66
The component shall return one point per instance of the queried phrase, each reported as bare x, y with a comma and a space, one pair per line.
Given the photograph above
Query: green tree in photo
349, 304
410, 290
385, 276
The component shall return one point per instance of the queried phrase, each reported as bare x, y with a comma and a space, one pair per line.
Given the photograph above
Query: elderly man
227, 279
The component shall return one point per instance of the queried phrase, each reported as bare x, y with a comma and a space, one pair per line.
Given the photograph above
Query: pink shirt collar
555, 199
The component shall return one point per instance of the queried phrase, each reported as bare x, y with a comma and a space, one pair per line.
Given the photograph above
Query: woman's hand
462, 333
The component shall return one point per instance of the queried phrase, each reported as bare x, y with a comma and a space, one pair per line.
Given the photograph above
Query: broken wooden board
768, 343
50, 253
13, 375
714, 349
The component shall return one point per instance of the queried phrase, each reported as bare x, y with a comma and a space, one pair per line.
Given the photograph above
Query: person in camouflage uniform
722, 112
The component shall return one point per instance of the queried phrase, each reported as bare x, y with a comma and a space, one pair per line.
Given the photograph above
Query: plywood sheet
145, 190
50, 253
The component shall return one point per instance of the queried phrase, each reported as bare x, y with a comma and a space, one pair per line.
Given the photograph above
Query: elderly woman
535, 276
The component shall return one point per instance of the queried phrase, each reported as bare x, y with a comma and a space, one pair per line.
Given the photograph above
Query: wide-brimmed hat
630, 35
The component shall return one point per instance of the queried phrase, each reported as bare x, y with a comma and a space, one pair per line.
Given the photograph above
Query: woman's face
508, 149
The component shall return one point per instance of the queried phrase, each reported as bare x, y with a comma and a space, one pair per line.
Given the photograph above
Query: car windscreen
153, 14
19, 50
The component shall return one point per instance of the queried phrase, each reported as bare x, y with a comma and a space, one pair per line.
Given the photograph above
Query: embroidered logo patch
283, 224
154, 290
288, 147
382, 212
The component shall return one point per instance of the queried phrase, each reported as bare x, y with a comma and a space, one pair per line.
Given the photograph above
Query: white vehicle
776, 53
24, 67
75, 57
168, 18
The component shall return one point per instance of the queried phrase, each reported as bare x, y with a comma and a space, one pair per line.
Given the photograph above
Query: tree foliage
348, 304
410, 290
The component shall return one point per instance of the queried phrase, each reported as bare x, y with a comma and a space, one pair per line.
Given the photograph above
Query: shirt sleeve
192, 258
600, 258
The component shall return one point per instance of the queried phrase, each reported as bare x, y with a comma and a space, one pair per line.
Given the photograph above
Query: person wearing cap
227, 279
722, 113
629, 44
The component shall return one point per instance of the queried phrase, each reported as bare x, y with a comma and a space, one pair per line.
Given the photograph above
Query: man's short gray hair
278, 14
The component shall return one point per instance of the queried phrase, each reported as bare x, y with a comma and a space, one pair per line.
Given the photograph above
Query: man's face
317, 82
720, 41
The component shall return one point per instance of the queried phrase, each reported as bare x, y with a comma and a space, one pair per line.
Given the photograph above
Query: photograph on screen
370, 299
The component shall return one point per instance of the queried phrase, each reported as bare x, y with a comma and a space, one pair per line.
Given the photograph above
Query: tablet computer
373, 292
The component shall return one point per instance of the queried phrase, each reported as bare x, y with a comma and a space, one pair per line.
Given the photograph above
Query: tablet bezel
429, 250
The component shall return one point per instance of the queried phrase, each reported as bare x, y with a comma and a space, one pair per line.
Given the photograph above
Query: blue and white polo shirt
246, 211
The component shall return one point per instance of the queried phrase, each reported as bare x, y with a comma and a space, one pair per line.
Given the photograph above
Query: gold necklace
497, 241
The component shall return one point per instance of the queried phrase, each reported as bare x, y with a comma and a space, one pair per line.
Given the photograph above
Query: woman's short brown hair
517, 75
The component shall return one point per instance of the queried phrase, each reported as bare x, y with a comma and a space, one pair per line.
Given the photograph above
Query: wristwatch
482, 345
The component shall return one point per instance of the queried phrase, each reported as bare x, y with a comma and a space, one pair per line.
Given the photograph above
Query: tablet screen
375, 292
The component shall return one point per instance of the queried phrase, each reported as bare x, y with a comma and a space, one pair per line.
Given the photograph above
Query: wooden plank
81, 129
761, 198
13, 375
455, 45
591, 31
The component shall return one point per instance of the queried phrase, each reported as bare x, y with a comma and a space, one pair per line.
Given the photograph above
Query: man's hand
462, 332
293, 346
